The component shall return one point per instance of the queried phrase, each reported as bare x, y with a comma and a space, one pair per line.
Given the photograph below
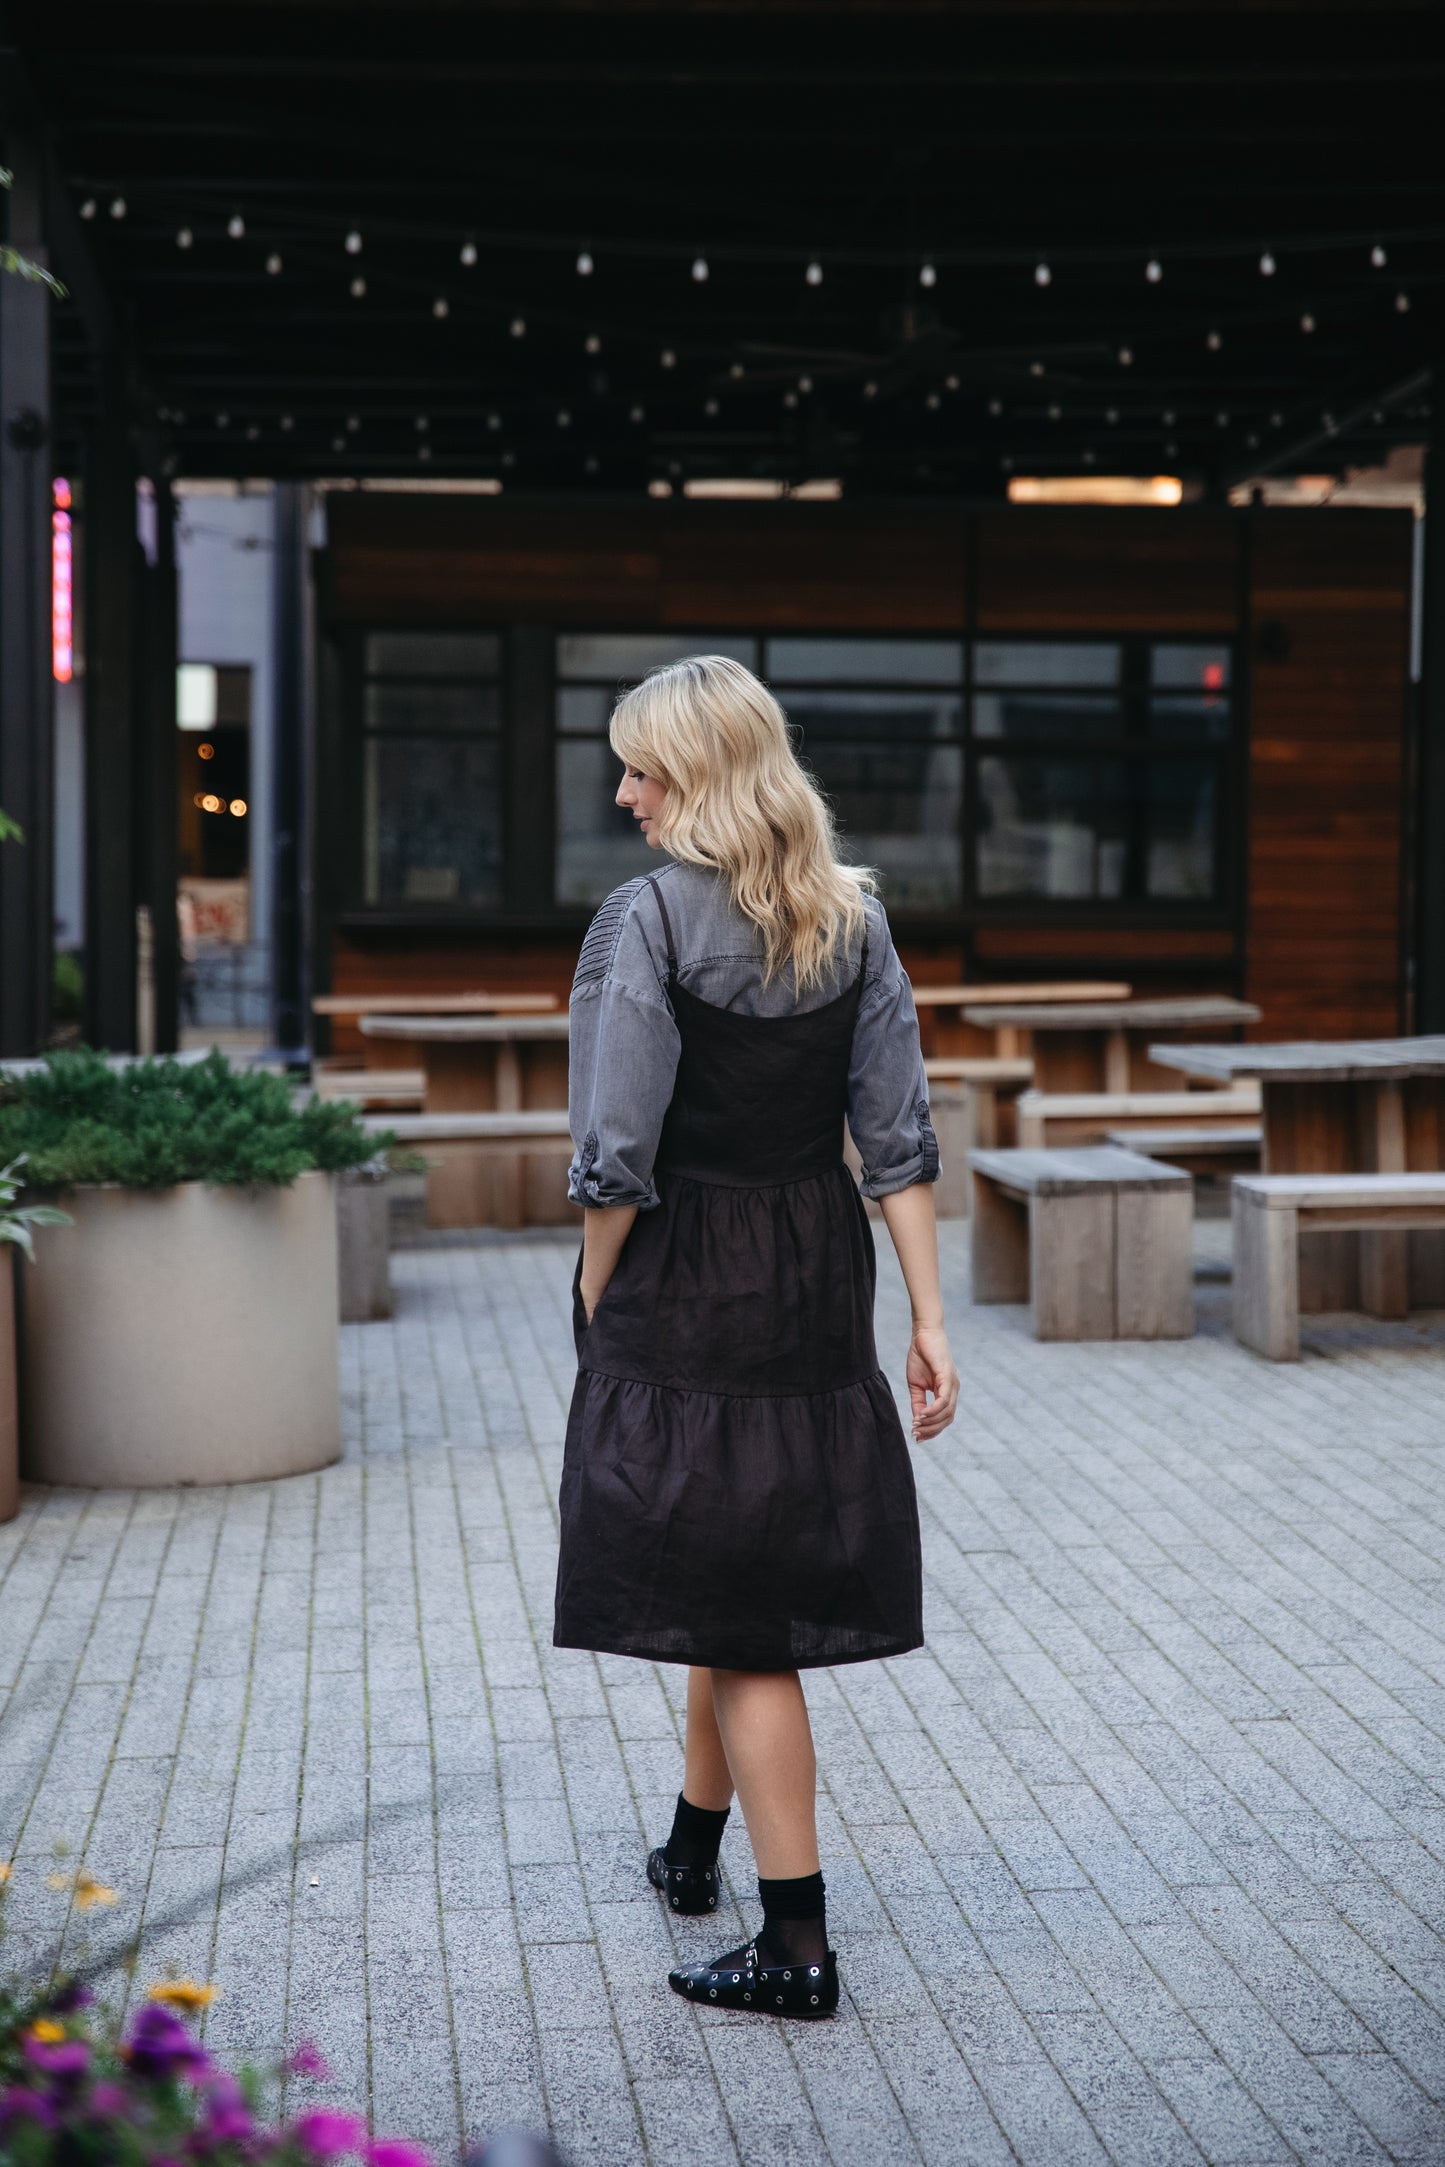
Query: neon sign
62, 585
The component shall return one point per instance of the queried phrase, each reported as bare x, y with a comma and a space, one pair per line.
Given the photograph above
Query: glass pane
598, 844
433, 654
1052, 827
898, 807
432, 707
1045, 714
1179, 717
1181, 828
872, 714
865, 662
582, 710
1046, 662
621, 657
433, 825
1192, 669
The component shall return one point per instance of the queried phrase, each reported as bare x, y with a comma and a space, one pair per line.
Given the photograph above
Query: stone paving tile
1142, 1860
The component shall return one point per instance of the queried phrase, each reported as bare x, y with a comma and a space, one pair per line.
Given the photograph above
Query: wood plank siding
1316, 604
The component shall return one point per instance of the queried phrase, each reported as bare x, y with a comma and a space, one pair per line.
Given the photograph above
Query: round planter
183, 1335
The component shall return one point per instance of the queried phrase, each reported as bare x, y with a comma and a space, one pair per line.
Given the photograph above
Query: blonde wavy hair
740, 803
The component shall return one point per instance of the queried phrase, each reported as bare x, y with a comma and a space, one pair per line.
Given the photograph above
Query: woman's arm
908, 1215
604, 1230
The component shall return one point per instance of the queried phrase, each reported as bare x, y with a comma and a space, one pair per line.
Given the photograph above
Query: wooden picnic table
941, 1011
348, 1009
482, 1063
1099, 1045
1351, 1106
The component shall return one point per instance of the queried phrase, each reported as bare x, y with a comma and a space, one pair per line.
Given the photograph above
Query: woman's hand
930, 1369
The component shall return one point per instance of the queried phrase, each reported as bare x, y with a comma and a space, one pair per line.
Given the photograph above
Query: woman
736, 1491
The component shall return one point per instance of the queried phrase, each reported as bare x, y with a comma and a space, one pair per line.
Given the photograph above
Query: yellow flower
5, 1872
183, 1994
47, 2031
87, 1890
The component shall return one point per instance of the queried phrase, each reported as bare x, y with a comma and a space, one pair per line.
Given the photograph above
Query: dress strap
652, 882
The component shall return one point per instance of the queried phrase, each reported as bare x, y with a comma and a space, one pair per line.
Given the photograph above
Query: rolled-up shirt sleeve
887, 1089
622, 1060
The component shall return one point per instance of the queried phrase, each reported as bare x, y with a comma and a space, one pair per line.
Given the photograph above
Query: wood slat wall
1320, 599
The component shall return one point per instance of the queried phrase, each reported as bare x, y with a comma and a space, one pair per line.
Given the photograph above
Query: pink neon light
62, 594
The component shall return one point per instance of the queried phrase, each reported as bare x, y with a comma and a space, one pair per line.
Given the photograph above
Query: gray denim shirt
625, 1042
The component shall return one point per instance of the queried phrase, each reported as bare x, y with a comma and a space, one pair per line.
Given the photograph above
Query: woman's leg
762, 1719
706, 1781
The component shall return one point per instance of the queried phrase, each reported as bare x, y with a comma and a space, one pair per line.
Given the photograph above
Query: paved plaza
1142, 1860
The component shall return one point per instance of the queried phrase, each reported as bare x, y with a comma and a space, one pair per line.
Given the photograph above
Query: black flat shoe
691, 1889
739, 1981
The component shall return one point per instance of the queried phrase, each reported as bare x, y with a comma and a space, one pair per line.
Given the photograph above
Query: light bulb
710, 406
358, 288
928, 275
1378, 257
1089, 456
353, 243
288, 421
423, 451
1168, 417
353, 422
637, 413
423, 423
805, 384
1330, 425
223, 421
1036, 368
1111, 415
814, 274
274, 264
1276, 421
252, 433
185, 237
995, 407
1221, 421
441, 306
1056, 413
1267, 265
737, 372
1402, 303
790, 398
87, 209
585, 265
1307, 322
592, 344
1043, 276
933, 402
469, 253
589, 465
518, 327
1153, 270
668, 358
1126, 357
117, 206
564, 419
870, 390
1214, 342
236, 227
494, 421
699, 269
950, 383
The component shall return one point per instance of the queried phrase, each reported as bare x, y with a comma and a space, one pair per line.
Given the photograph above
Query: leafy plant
154, 1123
12, 260
80, 2089
15, 1220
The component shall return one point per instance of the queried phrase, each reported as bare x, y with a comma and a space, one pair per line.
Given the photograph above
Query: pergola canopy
908, 246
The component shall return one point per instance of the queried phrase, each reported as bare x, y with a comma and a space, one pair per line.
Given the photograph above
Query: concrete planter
184, 1335
9, 1421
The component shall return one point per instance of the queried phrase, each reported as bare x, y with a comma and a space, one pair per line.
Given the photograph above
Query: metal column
27, 689
1430, 744
112, 591
290, 756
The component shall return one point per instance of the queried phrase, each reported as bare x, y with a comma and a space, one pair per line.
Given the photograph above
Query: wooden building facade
1169, 746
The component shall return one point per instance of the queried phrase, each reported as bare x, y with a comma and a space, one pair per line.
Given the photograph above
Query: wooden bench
1271, 1211
1048, 1120
1097, 1241
490, 1169
1203, 1150
403, 1088
971, 1101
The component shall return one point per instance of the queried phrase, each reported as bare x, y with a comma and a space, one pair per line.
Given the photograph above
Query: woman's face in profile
644, 798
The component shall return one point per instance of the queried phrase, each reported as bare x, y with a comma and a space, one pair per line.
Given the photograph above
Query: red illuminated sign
62, 570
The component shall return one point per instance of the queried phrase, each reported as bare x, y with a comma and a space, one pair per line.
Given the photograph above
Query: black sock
697, 1834
795, 1920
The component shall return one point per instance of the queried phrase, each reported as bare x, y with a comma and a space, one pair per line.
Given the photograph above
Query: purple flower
325, 2132
73, 1994
396, 2152
228, 2117
307, 2060
20, 2104
160, 2047
67, 2058
108, 2102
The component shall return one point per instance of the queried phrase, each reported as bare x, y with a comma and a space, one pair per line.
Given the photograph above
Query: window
431, 713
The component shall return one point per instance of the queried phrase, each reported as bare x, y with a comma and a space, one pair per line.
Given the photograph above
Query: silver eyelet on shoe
813, 1973
747, 1997
675, 1902
813, 1999
787, 1975
737, 1978
712, 1993
780, 2001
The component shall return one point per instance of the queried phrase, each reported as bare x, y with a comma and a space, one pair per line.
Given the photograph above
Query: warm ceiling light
1095, 489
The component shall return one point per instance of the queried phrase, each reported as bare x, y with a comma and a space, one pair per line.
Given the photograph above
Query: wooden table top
1346, 1060
431, 1004
1071, 1172
1200, 1010
1104, 989
465, 1030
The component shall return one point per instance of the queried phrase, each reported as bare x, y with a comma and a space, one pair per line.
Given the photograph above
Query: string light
1221, 421
870, 390
1111, 415
699, 270
185, 238
518, 327
87, 209
1267, 265
710, 407
1043, 276
1276, 421
338, 443
585, 265
353, 422
805, 384
950, 383
252, 433
995, 407
358, 289
737, 372
1378, 257
1168, 417
1056, 413
1089, 455
667, 358
564, 419
441, 306
1214, 342
117, 206
494, 421
288, 423
589, 465
1153, 270
1307, 322
1126, 357
814, 273
592, 344
236, 226
423, 423
637, 413
933, 402
469, 252
790, 398
274, 265
423, 451
1036, 368
1402, 303
353, 243
927, 275
223, 421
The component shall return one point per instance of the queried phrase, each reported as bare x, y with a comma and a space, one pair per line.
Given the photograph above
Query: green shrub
155, 1123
